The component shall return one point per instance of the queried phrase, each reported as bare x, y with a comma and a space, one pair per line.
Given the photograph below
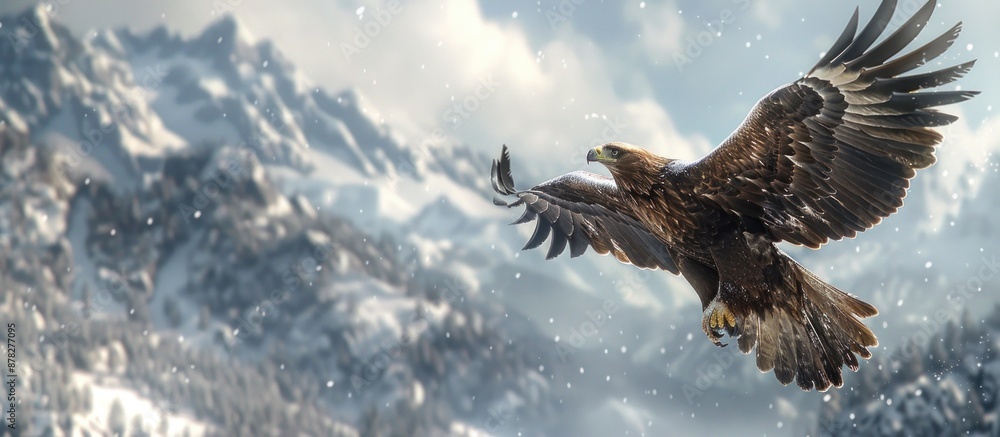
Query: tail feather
812, 341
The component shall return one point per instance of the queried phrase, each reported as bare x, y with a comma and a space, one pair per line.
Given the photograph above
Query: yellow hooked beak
594, 155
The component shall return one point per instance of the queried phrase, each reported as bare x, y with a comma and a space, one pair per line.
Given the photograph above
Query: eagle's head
617, 155
633, 167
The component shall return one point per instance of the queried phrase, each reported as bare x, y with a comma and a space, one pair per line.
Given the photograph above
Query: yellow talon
718, 320
721, 319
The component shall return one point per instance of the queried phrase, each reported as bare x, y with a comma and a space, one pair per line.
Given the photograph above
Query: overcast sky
656, 73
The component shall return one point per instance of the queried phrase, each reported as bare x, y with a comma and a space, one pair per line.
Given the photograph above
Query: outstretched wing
578, 210
831, 154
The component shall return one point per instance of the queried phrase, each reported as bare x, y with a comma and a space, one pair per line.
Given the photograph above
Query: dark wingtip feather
921, 81
499, 202
527, 216
506, 178
841, 44
542, 229
930, 99
919, 56
500, 177
493, 179
870, 33
964, 68
577, 244
557, 245
895, 42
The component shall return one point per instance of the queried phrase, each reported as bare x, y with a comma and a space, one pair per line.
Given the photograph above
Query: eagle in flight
819, 159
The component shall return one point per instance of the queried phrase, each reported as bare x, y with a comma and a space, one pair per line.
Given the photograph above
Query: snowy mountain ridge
191, 178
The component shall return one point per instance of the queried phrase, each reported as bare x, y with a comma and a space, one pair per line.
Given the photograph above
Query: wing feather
542, 228
831, 154
578, 210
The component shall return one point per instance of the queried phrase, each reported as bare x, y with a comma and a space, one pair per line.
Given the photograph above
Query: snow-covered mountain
183, 198
179, 211
946, 384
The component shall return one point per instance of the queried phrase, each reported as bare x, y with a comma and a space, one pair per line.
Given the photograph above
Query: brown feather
823, 158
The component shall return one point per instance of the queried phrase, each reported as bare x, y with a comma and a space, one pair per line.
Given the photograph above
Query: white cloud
425, 57
660, 26
966, 158
432, 55
428, 65
769, 12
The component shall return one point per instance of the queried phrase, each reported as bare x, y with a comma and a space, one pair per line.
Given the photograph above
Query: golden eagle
822, 158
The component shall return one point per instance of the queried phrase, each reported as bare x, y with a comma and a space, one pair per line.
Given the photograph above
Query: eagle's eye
614, 153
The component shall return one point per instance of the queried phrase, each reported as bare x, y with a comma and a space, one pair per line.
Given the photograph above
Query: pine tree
371, 423
138, 430
163, 427
67, 423
172, 311
204, 318
88, 398
116, 418
115, 359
